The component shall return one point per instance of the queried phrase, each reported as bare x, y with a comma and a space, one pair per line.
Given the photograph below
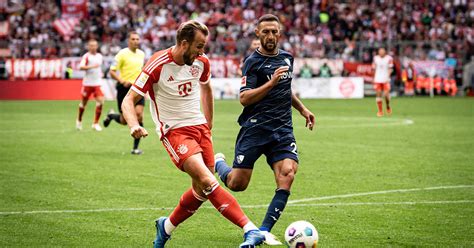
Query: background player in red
383, 65
91, 63
178, 81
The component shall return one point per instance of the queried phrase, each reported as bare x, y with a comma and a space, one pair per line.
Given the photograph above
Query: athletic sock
226, 204
187, 206
98, 111
115, 117
387, 102
81, 112
223, 170
379, 103
275, 209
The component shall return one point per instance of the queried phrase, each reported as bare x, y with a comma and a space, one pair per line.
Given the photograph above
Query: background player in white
91, 63
178, 81
383, 65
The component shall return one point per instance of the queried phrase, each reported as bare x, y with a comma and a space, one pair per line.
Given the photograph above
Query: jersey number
184, 89
293, 144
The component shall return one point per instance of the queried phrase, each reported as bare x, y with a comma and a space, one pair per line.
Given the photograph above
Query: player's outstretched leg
222, 200
221, 167
161, 235
187, 206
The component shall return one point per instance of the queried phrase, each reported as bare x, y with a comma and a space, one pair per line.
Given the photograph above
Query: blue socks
275, 209
222, 170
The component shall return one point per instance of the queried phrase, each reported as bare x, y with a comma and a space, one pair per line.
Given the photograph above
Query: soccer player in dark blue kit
266, 123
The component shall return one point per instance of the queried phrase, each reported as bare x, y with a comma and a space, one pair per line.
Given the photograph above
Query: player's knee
207, 182
287, 173
237, 185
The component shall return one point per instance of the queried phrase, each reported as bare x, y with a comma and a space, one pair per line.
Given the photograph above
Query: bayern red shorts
87, 91
181, 143
382, 87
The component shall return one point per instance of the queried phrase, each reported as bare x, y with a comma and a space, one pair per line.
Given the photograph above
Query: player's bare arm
130, 115
88, 67
252, 96
207, 100
114, 75
308, 115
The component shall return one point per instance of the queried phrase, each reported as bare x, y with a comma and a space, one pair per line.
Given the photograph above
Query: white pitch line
244, 206
379, 193
290, 203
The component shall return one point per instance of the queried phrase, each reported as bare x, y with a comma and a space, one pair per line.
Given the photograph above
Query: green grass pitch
363, 181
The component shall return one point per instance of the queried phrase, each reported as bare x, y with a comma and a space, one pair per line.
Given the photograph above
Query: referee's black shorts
121, 93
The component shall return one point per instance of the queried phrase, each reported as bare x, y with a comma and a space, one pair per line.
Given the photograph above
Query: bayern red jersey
174, 90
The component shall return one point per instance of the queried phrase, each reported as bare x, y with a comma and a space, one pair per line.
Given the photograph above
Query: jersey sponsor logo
244, 81
183, 149
286, 75
170, 79
141, 80
184, 89
194, 70
240, 158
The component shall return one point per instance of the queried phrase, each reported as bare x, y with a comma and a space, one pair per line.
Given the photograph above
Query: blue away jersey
273, 112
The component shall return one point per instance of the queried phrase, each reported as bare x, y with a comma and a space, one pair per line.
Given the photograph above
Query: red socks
81, 112
98, 111
227, 205
188, 204
379, 104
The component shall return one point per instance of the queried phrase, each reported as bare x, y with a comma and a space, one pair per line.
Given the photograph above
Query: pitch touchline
293, 203
243, 206
379, 193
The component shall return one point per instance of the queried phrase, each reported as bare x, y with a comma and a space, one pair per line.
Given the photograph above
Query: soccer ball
301, 234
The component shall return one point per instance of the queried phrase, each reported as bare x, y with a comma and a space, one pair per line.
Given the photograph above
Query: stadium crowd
422, 29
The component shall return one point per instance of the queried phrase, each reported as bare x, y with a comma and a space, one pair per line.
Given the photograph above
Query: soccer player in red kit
91, 63
178, 82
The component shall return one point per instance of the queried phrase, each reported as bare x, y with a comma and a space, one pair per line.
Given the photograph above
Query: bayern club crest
183, 149
194, 70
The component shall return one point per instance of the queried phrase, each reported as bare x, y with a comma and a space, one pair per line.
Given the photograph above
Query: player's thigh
194, 166
386, 88
85, 94
98, 95
206, 145
182, 143
249, 146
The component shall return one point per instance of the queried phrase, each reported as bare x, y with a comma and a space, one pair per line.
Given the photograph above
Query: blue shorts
253, 142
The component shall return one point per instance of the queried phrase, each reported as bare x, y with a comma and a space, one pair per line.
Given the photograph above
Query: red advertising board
41, 90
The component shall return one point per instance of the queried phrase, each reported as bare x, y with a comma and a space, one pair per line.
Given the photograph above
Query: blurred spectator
306, 71
325, 71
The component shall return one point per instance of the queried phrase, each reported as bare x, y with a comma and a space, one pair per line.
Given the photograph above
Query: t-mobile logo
184, 89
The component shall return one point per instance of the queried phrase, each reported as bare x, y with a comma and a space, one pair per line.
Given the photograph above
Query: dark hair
132, 32
268, 18
187, 31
